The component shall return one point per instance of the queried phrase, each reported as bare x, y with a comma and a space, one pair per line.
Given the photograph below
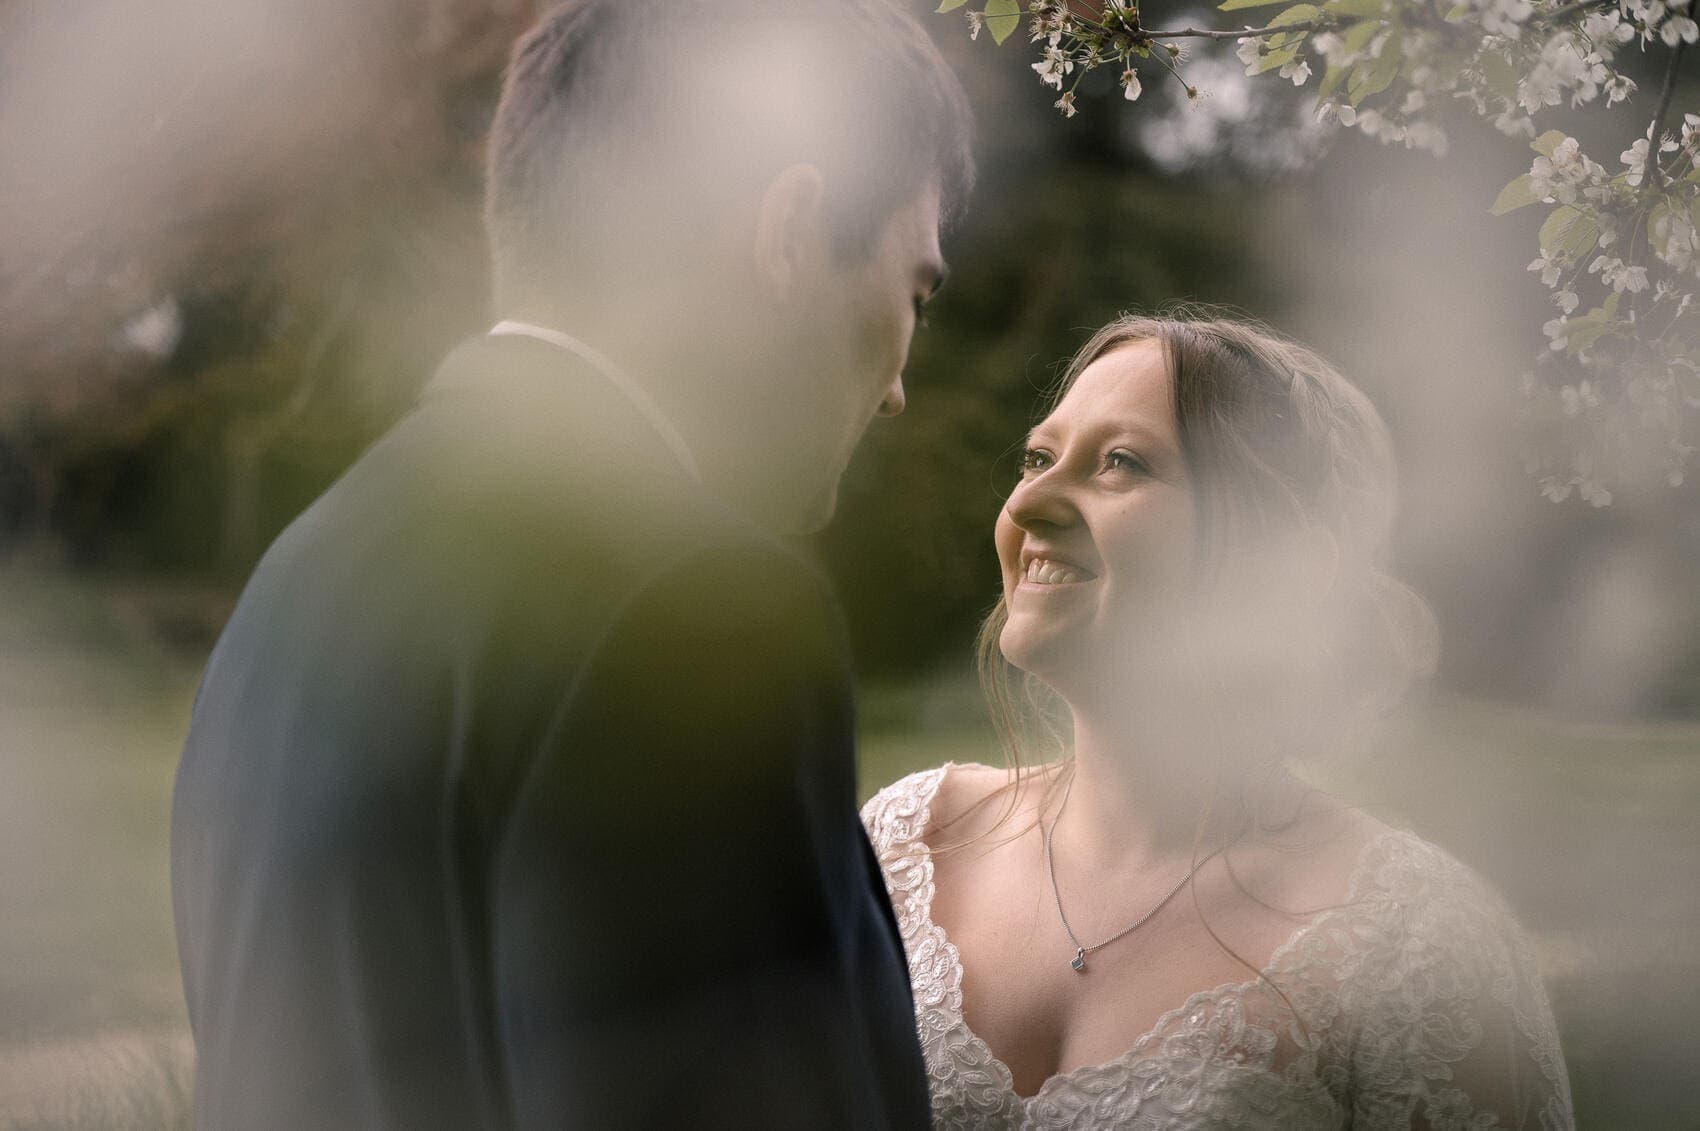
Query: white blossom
1130, 84
1674, 238
156, 330
1619, 276
1249, 52
1331, 47
1066, 104
1604, 28
1679, 29
1575, 399
1053, 67
1426, 136
1298, 70
1505, 17
1512, 124
1644, 11
1594, 492
1635, 161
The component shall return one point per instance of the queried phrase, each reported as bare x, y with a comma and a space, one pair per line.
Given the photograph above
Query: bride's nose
1041, 500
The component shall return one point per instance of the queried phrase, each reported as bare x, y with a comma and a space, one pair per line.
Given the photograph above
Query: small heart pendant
1079, 962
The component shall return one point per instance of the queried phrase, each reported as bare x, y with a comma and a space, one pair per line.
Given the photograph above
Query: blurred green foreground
1589, 832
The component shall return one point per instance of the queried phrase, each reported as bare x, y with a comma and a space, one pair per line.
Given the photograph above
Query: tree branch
1565, 11
1655, 178
1243, 33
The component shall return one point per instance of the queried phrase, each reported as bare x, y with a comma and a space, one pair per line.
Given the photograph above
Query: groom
519, 788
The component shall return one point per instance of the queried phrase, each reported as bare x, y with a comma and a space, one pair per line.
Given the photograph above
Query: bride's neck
1150, 792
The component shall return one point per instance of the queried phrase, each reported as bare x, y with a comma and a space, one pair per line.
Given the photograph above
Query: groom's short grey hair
619, 116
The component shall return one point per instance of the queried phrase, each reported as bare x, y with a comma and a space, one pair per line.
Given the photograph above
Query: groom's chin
781, 508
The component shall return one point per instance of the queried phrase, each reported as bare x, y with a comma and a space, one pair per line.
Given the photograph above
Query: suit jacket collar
604, 365
523, 373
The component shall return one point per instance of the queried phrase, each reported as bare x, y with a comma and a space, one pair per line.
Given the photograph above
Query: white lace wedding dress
1419, 1001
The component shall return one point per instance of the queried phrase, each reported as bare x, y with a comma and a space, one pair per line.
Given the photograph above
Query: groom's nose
894, 399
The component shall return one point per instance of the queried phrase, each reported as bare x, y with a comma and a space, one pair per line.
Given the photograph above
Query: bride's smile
1096, 539
1167, 926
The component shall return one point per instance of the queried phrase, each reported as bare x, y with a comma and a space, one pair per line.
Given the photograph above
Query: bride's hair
1294, 630
1293, 487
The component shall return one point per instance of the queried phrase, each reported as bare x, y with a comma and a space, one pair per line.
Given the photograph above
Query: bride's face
1096, 540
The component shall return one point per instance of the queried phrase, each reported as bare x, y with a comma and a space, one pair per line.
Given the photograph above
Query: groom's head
740, 200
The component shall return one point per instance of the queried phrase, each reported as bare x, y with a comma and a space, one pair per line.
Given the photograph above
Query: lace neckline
922, 854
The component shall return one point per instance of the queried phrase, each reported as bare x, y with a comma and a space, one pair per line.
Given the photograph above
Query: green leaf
1238, 5
1297, 14
1547, 142
1331, 78
1370, 9
1568, 231
1002, 18
950, 5
1275, 59
1357, 37
1580, 334
1514, 196
1661, 212
1586, 329
1375, 77
1456, 13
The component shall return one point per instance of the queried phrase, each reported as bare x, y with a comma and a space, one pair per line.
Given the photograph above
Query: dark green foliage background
315, 304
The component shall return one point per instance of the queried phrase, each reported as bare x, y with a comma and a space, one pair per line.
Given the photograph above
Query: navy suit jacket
519, 792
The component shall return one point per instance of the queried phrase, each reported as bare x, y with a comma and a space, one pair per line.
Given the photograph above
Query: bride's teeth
1043, 572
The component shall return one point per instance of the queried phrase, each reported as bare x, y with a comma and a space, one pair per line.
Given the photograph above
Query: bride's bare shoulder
973, 799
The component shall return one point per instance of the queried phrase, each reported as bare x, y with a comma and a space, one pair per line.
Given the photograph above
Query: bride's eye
1122, 460
1033, 461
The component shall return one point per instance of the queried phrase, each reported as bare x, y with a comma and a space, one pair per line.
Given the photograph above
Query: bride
1167, 928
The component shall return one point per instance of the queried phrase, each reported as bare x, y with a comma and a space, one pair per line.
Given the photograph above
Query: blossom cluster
1618, 383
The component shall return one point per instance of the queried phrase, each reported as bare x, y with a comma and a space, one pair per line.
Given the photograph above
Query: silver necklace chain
1081, 950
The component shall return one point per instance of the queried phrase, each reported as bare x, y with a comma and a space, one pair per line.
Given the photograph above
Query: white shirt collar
617, 377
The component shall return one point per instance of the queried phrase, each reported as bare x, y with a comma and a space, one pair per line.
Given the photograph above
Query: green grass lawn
1590, 831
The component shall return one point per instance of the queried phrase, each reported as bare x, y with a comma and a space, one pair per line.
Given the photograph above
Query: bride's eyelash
1127, 458
1034, 459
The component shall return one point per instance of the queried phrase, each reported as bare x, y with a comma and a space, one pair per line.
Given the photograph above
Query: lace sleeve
1450, 1024
897, 815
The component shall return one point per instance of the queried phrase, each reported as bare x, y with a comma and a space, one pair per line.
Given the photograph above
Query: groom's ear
791, 228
